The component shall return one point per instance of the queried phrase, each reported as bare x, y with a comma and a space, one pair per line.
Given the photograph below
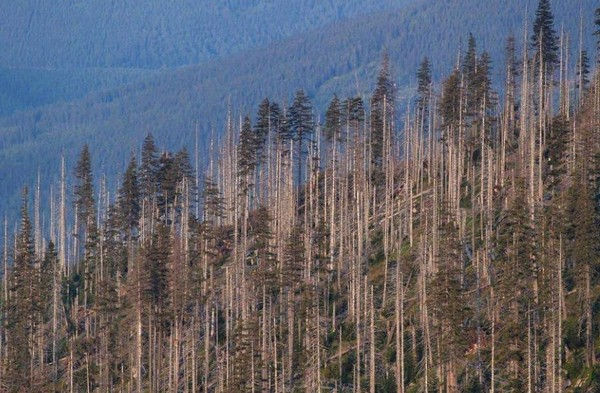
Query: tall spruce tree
280, 124
148, 168
355, 114
301, 123
129, 198
24, 305
513, 269
544, 40
262, 128
333, 121
423, 86
382, 108
469, 62
246, 154
583, 72
155, 284
84, 189
450, 106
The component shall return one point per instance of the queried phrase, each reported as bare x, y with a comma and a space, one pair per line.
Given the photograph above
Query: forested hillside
450, 249
55, 51
338, 58
151, 34
25, 88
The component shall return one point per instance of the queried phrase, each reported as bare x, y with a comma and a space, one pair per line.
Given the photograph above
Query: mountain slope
134, 33
324, 61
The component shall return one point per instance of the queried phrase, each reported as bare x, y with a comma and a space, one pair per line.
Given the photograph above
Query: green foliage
544, 40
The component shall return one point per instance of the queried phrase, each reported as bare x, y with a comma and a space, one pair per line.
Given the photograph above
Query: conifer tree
301, 125
544, 40
469, 70
84, 190
24, 306
333, 124
583, 72
382, 108
129, 198
156, 259
583, 235
280, 124
423, 85
450, 107
483, 82
355, 115
148, 168
294, 257
262, 128
448, 301
556, 151
514, 271
183, 166
246, 154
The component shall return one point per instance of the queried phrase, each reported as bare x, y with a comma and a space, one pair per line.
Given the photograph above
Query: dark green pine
382, 104
543, 28
246, 154
301, 124
84, 190
262, 128
423, 84
129, 198
149, 168
333, 124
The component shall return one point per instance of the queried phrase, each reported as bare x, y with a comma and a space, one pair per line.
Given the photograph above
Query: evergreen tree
48, 268
450, 101
263, 254
280, 124
129, 198
172, 171
382, 108
484, 100
84, 191
423, 86
584, 257
156, 273
24, 306
301, 125
544, 40
469, 63
511, 59
333, 124
583, 71
166, 181
246, 155
183, 167
447, 300
148, 168
213, 201
483, 82
355, 113
262, 128
469, 70
293, 257
514, 272
556, 151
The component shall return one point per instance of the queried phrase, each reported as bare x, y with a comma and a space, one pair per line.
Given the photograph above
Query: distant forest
446, 245
62, 105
